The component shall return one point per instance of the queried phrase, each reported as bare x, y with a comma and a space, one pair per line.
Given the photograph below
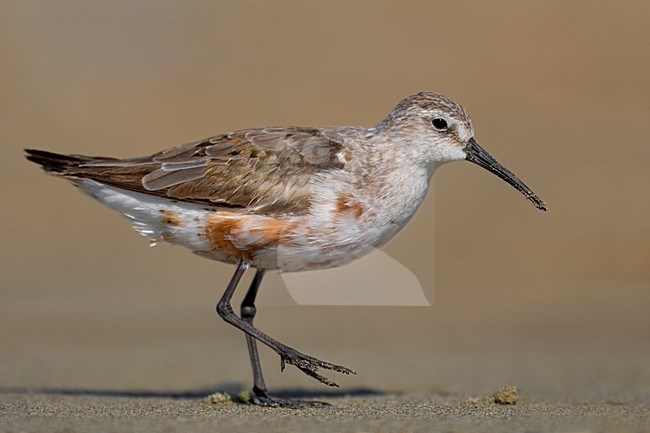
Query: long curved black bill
479, 156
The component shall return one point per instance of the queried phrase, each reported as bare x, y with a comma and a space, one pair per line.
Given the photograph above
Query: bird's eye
439, 123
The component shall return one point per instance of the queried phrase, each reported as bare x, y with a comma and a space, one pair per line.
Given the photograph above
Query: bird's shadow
233, 389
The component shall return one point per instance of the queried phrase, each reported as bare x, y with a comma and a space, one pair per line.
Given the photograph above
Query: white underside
147, 214
322, 238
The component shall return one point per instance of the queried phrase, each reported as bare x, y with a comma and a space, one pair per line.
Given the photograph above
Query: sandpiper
285, 198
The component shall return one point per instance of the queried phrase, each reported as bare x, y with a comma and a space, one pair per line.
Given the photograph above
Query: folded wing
258, 169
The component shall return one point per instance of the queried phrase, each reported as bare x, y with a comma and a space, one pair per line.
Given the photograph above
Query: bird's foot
310, 365
260, 397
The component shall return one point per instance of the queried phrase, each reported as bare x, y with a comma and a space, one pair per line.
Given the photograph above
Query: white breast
345, 222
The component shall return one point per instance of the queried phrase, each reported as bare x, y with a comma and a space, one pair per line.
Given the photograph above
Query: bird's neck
400, 187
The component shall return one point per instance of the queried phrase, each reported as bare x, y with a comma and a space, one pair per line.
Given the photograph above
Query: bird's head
437, 130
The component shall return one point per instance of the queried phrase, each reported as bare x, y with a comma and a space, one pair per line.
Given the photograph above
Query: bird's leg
248, 311
307, 364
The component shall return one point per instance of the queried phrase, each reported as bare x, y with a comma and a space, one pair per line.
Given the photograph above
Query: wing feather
265, 169
166, 176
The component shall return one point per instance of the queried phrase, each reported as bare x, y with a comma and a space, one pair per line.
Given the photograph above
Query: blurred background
555, 302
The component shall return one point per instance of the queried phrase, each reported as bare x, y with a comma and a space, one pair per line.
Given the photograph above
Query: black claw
310, 365
312, 372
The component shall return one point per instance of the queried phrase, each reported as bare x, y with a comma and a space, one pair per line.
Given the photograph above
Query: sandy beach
410, 413
132, 367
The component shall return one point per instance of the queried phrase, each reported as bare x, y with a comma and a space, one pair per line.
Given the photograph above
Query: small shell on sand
506, 395
218, 398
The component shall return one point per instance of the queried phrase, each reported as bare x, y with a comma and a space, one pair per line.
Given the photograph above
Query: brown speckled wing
263, 169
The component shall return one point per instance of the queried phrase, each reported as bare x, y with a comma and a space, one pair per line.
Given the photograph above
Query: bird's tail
62, 165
